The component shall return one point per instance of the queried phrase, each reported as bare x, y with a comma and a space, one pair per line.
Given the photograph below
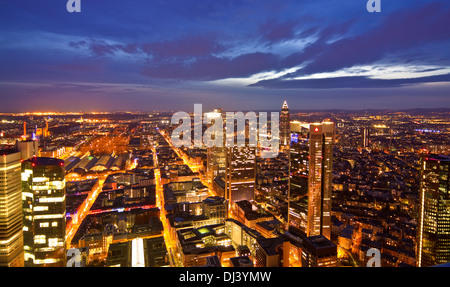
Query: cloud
348, 82
187, 47
274, 31
214, 68
400, 31
397, 35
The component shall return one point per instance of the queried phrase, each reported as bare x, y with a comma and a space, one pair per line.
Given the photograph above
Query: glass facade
44, 212
320, 179
11, 238
240, 174
433, 233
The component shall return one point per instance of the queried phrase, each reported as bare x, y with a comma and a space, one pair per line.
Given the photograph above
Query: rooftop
45, 161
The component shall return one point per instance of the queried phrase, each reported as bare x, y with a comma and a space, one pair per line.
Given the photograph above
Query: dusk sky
239, 55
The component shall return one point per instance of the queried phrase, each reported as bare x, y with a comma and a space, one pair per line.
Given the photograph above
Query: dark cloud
187, 47
214, 68
348, 82
274, 31
399, 31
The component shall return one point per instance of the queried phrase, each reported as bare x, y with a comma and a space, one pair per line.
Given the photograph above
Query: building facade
11, 238
320, 179
285, 128
318, 251
44, 212
240, 174
433, 229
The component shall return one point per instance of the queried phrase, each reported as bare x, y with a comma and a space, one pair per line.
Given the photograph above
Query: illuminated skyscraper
298, 184
44, 212
433, 229
11, 236
285, 129
321, 138
216, 156
365, 137
240, 174
11, 239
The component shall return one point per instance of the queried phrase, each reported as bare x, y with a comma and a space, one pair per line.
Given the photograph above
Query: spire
285, 105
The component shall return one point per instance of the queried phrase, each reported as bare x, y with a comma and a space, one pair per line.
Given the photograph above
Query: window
39, 239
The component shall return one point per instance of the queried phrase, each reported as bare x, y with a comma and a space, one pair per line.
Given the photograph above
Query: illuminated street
170, 243
83, 210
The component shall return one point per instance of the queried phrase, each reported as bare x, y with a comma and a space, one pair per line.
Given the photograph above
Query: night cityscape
343, 114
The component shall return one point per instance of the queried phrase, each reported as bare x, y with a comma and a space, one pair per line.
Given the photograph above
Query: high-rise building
216, 163
433, 229
216, 155
11, 238
240, 174
44, 212
321, 138
318, 251
298, 181
285, 128
11, 226
365, 137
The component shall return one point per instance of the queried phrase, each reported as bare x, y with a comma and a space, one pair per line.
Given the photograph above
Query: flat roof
45, 161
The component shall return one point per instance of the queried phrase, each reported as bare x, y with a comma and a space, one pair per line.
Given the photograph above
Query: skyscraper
365, 137
321, 138
285, 129
433, 229
216, 156
11, 236
298, 181
240, 173
44, 212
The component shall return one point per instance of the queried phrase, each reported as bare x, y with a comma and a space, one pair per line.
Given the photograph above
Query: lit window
39, 239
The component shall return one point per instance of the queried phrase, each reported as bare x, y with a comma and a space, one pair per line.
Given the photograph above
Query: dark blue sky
247, 54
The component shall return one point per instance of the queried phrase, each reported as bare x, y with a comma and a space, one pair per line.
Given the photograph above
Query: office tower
216, 156
321, 138
298, 181
240, 173
11, 238
285, 129
365, 137
318, 251
216, 162
433, 229
44, 212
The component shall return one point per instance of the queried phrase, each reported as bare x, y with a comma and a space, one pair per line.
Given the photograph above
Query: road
83, 210
187, 161
175, 260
